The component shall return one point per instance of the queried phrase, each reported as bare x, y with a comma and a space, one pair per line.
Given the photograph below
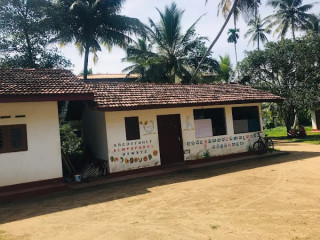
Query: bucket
77, 178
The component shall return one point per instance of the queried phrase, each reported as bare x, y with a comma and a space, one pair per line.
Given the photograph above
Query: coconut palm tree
233, 38
173, 46
290, 14
90, 23
316, 24
257, 31
224, 6
169, 54
138, 54
144, 61
247, 7
209, 66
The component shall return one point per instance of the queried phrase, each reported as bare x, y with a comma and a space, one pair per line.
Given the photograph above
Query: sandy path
277, 198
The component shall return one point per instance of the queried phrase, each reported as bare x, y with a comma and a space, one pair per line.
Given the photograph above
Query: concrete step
30, 191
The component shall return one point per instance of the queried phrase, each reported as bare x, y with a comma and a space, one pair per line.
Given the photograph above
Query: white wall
145, 151
94, 133
127, 155
42, 160
314, 119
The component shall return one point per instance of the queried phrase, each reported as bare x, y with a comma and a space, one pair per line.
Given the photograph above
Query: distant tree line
31, 30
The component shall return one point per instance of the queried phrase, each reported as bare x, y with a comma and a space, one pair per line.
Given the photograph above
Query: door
170, 139
318, 119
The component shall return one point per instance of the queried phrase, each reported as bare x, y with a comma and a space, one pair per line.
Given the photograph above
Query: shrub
71, 144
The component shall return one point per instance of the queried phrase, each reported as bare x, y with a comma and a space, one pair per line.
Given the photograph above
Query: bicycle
263, 144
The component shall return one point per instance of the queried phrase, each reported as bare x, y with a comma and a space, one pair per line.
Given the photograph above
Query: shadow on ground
29, 208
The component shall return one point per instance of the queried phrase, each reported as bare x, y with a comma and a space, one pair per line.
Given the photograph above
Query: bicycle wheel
259, 147
270, 144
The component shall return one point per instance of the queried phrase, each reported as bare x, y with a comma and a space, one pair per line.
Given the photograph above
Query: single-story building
130, 125
141, 125
30, 153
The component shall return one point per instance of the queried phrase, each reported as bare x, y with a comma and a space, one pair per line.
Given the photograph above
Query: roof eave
158, 106
46, 97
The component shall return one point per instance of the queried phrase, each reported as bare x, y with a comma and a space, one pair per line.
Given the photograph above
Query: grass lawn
281, 133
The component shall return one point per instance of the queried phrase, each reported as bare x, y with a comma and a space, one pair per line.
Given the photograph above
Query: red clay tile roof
41, 84
126, 96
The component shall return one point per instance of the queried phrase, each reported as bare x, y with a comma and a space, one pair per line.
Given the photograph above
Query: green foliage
258, 31
233, 38
290, 14
305, 117
26, 32
225, 70
316, 24
290, 69
71, 144
209, 65
248, 9
90, 24
233, 35
270, 116
168, 54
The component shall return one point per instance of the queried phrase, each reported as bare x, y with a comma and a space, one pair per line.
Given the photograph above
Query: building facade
135, 126
30, 152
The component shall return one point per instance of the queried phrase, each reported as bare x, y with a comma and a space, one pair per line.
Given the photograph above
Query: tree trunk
289, 117
216, 39
85, 65
288, 127
255, 10
235, 50
293, 34
235, 28
31, 61
296, 121
258, 43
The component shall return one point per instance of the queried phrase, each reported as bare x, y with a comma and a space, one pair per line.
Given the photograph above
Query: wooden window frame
6, 138
130, 136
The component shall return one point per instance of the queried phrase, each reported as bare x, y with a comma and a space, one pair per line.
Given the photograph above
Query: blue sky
210, 24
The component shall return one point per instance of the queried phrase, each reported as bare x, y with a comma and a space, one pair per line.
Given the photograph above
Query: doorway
170, 139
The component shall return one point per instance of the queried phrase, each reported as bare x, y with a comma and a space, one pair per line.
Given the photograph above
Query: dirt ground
274, 198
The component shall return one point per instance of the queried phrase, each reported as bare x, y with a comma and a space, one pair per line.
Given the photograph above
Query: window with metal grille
13, 138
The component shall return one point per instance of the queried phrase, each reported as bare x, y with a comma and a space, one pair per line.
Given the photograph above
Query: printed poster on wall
203, 128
